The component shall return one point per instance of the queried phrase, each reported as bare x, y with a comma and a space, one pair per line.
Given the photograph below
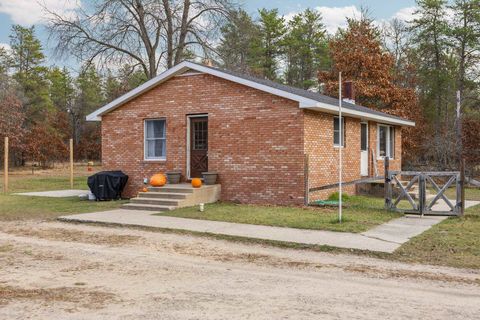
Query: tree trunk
183, 32
169, 35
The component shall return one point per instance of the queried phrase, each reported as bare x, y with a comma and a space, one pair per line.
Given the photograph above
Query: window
386, 141
155, 139
200, 135
363, 136
392, 142
336, 132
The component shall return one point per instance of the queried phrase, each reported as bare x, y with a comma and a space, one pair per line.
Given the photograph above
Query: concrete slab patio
54, 193
385, 238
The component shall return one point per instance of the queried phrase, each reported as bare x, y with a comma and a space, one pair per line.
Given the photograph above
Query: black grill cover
107, 185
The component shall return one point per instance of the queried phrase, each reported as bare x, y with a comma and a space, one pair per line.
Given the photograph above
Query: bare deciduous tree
396, 38
146, 33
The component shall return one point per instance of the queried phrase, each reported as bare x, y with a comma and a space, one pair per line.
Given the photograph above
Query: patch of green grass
361, 214
43, 183
454, 242
14, 207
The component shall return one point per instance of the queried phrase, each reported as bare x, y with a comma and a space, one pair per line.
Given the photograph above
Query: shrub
335, 197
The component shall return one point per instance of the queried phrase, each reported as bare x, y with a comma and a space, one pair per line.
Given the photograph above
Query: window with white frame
155, 139
336, 132
386, 141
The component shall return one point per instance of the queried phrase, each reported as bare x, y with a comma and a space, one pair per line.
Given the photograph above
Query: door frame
189, 116
368, 147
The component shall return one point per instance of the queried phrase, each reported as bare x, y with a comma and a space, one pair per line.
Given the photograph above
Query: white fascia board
360, 114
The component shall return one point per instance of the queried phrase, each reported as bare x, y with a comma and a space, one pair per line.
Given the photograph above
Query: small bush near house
336, 197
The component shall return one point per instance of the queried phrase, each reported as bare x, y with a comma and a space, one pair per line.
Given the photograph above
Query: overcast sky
334, 12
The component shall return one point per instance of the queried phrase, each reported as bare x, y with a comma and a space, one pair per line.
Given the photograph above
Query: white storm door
364, 149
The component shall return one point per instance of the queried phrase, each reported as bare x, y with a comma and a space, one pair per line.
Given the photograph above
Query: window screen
155, 139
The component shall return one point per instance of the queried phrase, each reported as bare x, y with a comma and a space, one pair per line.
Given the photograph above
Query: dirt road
59, 271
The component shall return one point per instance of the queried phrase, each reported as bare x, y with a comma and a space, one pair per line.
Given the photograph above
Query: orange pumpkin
145, 190
158, 180
196, 182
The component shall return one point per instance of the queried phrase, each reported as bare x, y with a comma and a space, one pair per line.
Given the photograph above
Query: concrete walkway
403, 229
385, 238
54, 193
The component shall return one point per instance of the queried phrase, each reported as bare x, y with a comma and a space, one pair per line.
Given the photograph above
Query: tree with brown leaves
357, 52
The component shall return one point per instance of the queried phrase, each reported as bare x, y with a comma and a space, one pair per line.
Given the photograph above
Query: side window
386, 141
363, 137
337, 140
155, 139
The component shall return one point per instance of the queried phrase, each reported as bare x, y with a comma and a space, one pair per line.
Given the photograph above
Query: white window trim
145, 157
387, 141
342, 131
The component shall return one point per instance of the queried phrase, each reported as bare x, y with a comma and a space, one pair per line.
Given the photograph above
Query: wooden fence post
5, 167
462, 187
71, 163
387, 185
422, 193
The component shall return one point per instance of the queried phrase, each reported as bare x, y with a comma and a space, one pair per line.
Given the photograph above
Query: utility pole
5, 166
340, 151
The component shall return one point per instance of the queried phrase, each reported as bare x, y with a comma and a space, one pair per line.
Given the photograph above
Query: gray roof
307, 94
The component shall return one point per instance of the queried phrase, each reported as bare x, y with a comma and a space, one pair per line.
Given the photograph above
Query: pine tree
269, 49
5, 61
305, 47
465, 34
119, 83
240, 37
434, 65
89, 97
61, 88
27, 57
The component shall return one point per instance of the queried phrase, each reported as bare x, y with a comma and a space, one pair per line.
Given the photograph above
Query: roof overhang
186, 66
323, 107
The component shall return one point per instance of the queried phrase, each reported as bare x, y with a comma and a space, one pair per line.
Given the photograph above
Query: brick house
268, 142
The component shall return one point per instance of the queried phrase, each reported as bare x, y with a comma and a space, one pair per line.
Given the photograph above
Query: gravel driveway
54, 270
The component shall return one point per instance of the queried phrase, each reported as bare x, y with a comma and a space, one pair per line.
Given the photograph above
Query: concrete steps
149, 207
163, 195
175, 196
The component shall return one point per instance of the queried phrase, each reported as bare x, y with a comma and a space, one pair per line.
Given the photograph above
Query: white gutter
319, 106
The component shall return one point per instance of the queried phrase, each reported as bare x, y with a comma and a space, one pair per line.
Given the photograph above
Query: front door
364, 149
198, 146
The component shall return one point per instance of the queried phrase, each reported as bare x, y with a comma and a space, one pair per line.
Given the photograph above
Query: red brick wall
324, 157
255, 138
